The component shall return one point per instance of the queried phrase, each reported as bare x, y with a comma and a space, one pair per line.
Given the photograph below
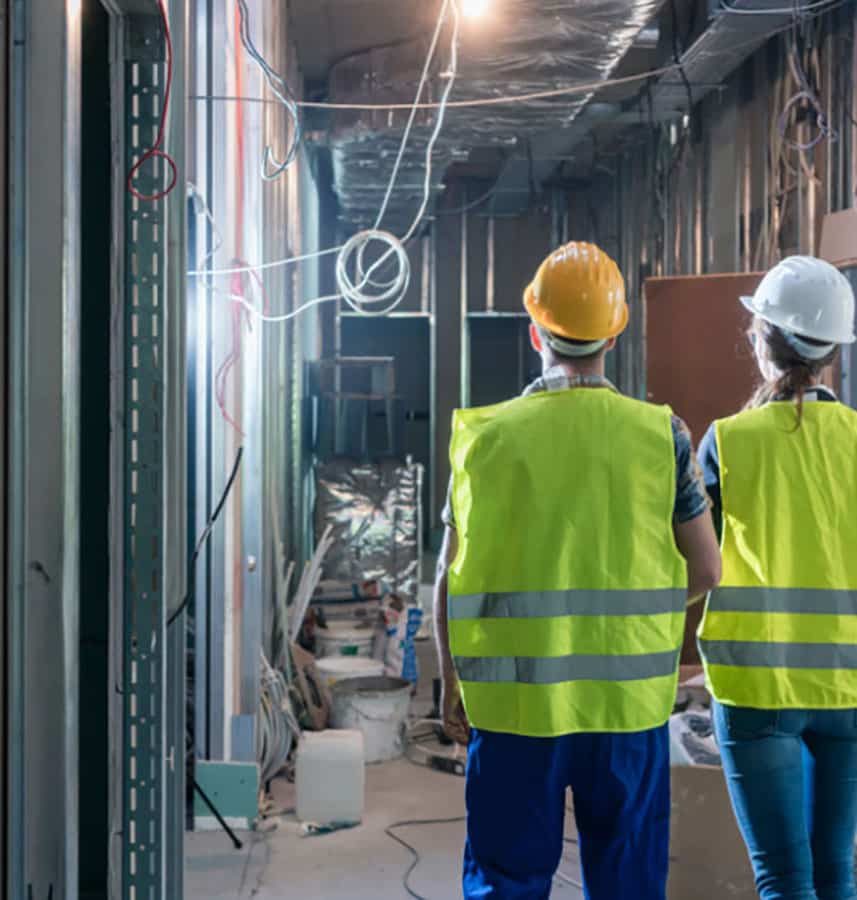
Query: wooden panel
699, 361
698, 357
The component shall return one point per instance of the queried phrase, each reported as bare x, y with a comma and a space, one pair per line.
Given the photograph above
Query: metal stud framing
144, 632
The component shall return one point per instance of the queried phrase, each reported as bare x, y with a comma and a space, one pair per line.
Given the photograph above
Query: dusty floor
360, 864
364, 863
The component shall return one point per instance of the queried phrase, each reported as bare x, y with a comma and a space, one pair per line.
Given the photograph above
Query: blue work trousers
516, 804
792, 777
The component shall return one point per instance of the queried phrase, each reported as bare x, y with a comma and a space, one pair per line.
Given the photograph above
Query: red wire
155, 152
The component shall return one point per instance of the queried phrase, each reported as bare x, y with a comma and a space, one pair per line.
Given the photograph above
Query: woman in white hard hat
779, 636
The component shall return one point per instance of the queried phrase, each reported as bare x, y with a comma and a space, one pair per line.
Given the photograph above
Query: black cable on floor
416, 823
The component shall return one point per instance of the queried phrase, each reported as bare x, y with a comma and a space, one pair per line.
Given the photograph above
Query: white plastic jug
330, 776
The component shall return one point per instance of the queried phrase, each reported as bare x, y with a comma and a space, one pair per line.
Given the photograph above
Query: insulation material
376, 515
523, 47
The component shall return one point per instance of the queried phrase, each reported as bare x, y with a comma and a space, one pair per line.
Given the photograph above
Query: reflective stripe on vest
781, 631
559, 669
567, 596
787, 600
543, 604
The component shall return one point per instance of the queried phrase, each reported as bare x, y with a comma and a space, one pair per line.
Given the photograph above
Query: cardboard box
708, 859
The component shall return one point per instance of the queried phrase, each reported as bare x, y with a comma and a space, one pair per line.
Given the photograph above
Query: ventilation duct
731, 37
519, 47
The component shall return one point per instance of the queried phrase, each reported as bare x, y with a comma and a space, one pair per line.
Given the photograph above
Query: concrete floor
359, 864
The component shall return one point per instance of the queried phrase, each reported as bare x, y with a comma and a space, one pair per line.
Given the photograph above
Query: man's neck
583, 369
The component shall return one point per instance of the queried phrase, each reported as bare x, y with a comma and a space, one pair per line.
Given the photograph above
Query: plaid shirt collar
559, 379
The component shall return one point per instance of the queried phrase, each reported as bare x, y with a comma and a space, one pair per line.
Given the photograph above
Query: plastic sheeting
519, 47
376, 514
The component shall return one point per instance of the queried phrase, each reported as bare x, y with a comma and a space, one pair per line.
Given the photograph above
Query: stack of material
340, 601
709, 861
692, 740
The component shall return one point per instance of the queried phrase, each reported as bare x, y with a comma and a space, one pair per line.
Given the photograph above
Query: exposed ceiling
372, 51
517, 47
326, 32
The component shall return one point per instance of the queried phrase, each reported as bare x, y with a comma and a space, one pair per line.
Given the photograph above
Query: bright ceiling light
474, 8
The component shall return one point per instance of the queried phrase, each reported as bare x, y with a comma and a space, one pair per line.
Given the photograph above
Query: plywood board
698, 358
699, 361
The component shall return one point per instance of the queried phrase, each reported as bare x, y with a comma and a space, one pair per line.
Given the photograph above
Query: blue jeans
516, 804
792, 777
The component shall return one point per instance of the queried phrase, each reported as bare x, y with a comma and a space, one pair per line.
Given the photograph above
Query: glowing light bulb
472, 9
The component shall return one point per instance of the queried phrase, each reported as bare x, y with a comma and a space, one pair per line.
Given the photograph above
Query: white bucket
377, 707
343, 639
333, 669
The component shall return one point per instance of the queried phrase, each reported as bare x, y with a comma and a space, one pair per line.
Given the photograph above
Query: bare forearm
441, 628
697, 543
441, 621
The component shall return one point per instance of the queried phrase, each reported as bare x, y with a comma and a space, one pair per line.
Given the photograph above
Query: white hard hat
808, 297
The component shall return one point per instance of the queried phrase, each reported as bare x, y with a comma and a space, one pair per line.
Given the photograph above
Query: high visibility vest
567, 596
781, 630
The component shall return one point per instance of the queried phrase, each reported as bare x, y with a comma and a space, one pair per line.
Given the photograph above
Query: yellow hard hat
578, 293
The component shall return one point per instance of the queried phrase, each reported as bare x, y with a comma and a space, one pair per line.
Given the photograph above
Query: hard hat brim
749, 303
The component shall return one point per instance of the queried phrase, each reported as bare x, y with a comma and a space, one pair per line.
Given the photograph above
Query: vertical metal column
144, 669
42, 455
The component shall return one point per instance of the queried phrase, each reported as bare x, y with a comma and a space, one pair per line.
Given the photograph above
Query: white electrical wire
354, 277
783, 11
262, 267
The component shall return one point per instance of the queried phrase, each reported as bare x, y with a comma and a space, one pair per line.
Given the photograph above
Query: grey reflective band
784, 600
761, 654
552, 604
805, 348
558, 669
568, 348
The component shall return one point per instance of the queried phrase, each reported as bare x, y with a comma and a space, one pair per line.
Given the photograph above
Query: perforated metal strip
144, 663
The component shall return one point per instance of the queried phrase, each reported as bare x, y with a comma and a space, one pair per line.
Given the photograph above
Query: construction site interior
254, 256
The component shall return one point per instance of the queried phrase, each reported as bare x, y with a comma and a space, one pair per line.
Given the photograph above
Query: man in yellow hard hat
577, 531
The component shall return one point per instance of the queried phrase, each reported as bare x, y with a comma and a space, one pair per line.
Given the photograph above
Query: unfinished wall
737, 199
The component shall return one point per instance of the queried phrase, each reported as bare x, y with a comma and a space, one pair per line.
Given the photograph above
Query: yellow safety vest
781, 630
567, 597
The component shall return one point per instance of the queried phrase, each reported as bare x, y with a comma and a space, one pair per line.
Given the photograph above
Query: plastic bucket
377, 707
340, 639
333, 669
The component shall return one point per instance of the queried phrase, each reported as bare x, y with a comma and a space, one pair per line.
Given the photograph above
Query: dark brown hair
798, 374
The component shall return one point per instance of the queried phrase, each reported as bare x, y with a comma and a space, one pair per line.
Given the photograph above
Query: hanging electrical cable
678, 51
579, 89
357, 278
279, 87
352, 275
782, 11
806, 96
189, 594
156, 151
